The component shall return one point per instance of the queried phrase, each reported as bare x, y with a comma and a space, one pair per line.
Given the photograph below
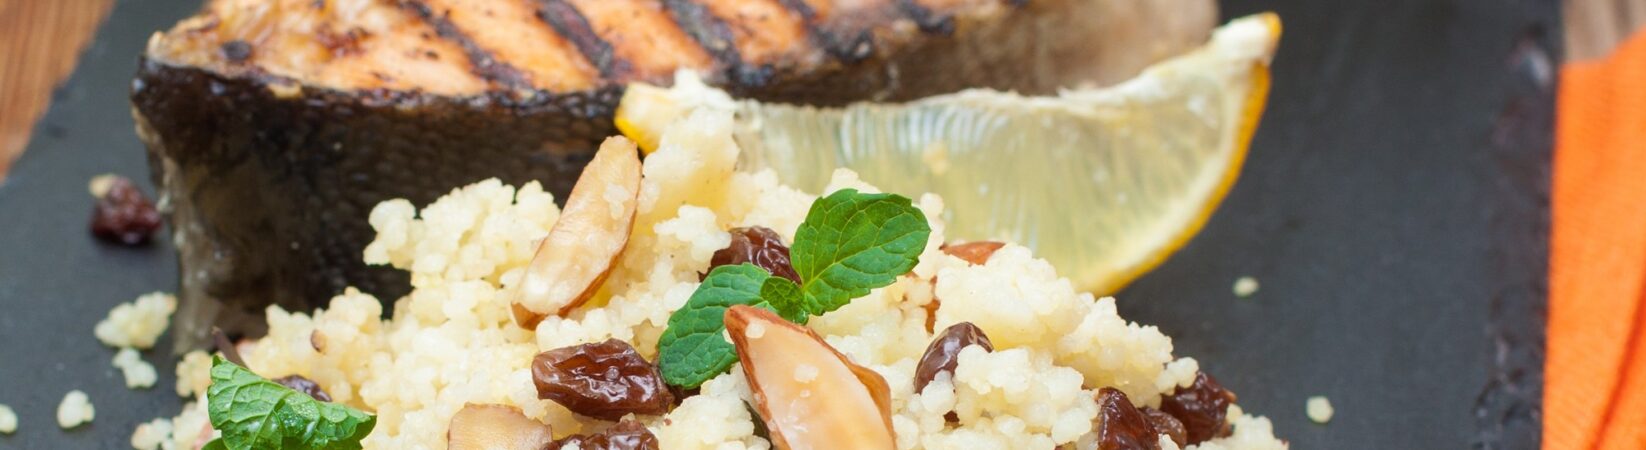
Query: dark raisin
944, 352
1121, 426
1203, 408
977, 252
300, 384
605, 380
759, 246
1167, 425
626, 435
123, 214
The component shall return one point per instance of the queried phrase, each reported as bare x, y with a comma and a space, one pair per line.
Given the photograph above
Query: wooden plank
39, 43
1594, 27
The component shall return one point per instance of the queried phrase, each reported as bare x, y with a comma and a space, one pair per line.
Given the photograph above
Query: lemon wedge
1104, 183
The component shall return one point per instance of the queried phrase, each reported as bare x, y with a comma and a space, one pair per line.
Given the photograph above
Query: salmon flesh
274, 126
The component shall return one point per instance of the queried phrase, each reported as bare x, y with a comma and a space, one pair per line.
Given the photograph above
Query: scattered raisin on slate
123, 214
1203, 408
944, 352
759, 246
1167, 425
626, 435
605, 380
300, 384
1120, 425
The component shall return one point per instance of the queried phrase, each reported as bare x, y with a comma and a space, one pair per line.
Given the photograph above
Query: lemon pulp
1104, 183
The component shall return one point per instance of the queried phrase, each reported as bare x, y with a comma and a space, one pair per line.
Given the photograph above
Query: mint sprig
852, 243
849, 244
691, 349
256, 414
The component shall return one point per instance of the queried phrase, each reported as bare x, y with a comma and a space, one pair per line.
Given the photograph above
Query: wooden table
40, 41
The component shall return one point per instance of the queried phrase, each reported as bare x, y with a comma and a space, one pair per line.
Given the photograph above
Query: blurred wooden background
41, 39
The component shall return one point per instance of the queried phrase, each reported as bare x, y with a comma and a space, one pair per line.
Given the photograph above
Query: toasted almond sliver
809, 395
976, 252
591, 233
495, 427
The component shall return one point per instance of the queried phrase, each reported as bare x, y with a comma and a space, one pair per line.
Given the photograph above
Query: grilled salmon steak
274, 126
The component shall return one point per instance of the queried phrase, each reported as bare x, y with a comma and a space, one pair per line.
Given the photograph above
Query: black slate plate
1394, 209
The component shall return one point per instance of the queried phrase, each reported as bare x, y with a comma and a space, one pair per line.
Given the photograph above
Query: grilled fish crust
268, 168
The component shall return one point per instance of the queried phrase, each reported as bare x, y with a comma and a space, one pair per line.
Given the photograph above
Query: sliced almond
495, 427
977, 252
809, 395
591, 233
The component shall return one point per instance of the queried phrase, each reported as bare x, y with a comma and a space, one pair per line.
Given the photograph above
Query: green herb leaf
849, 244
852, 242
256, 414
692, 350
215, 444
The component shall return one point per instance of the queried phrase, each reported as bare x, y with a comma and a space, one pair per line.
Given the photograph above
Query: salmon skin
274, 126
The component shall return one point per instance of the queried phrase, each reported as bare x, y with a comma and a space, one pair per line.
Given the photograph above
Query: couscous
1022, 360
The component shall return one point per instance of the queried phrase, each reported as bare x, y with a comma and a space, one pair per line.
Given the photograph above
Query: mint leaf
852, 242
849, 244
257, 414
692, 349
784, 298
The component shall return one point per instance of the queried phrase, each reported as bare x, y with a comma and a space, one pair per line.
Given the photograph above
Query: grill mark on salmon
766, 34
644, 34
571, 24
314, 112
715, 37
485, 65
928, 20
847, 47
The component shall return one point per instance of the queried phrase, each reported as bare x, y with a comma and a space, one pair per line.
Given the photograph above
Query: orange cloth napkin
1594, 394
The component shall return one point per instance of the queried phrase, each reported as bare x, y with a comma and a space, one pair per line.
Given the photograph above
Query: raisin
300, 384
1167, 425
944, 352
977, 252
1203, 408
1120, 425
626, 435
605, 380
759, 246
123, 214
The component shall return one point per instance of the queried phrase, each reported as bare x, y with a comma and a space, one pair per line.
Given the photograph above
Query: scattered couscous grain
8, 420
1245, 287
76, 409
1319, 409
138, 373
152, 435
139, 323
193, 374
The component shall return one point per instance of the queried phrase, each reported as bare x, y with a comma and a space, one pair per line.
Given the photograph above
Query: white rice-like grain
452, 341
76, 409
137, 372
137, 324
8, 420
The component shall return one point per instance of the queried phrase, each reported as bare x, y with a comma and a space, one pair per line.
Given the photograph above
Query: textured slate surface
1394, 209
